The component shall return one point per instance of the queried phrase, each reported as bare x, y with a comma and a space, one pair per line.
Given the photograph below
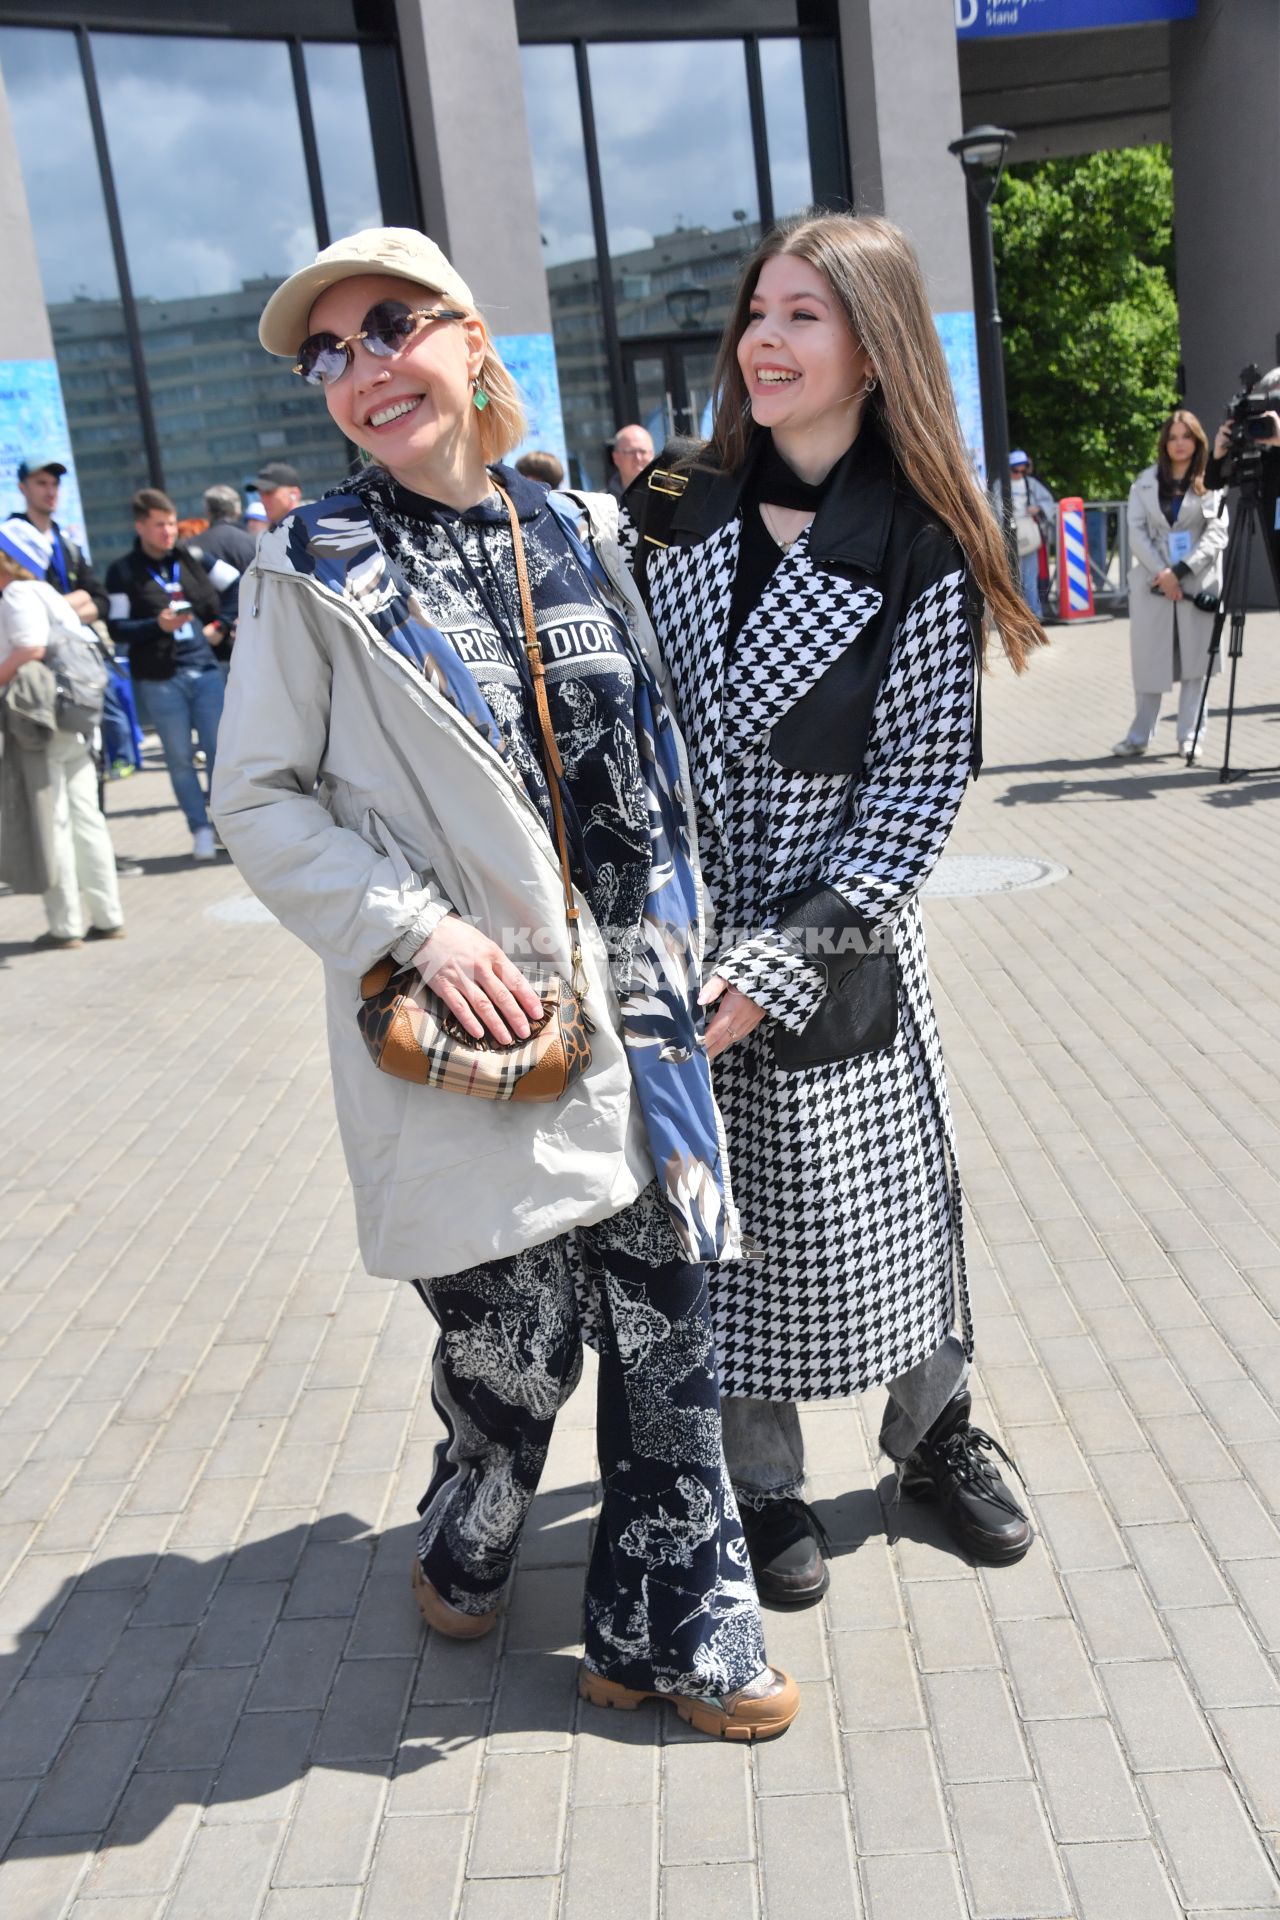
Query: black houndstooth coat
830, 745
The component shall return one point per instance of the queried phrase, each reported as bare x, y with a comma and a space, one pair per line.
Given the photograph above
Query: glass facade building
172, 181
657, 163
175, 175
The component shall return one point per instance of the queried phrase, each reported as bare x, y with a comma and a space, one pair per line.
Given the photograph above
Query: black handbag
859, 1012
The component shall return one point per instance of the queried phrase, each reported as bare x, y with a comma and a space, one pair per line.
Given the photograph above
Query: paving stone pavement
219, 1703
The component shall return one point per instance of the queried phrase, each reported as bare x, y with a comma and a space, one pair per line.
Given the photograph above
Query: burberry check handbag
409, 1031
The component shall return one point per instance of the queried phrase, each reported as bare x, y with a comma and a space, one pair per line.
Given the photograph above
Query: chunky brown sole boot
733, 1718
443, 1618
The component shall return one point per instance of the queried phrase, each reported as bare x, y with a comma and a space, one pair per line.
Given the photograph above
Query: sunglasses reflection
384, 331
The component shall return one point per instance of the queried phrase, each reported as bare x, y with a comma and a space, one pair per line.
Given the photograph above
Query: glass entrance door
669, 383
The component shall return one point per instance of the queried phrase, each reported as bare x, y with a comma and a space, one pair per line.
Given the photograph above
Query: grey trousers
764, 1447
1147, 713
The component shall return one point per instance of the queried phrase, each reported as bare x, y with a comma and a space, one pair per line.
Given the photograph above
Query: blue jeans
191, 702
1029, 568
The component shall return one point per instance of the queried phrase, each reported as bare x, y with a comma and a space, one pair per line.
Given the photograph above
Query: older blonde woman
381, 786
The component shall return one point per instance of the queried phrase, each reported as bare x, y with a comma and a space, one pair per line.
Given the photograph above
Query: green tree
1084, 254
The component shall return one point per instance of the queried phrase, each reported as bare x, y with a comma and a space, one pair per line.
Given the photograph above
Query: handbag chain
550, 751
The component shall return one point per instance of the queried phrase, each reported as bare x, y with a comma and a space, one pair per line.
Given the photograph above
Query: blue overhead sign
981, 19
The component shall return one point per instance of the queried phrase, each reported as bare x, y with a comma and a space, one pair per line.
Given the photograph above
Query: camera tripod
1248, 519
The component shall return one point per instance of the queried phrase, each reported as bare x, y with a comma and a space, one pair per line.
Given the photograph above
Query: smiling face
804, 369
413, 412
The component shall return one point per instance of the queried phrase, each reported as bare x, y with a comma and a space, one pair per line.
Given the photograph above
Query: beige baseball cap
401, 251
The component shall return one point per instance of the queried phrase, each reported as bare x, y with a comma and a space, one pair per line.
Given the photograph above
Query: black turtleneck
772, 481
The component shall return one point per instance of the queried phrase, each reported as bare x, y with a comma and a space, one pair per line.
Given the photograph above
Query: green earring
479, 398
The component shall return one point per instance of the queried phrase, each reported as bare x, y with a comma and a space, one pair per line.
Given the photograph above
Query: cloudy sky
674, 131
209, 168
206, 153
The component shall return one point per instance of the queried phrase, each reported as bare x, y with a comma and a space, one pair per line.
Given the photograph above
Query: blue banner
980, 19
959, 336
530, 359
33, 421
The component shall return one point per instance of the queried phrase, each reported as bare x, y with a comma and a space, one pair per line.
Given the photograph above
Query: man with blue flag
58, 560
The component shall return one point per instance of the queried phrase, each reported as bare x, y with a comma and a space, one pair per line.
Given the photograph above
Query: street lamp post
981, 153
688, 306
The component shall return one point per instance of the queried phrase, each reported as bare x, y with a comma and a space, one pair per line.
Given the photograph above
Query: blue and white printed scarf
334, 542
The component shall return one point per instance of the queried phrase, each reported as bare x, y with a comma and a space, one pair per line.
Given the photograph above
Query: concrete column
1225, 100
24, 324
902, 95
471, 144
902, 101
31, 403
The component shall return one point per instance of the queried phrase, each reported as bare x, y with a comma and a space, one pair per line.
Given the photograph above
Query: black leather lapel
805, 621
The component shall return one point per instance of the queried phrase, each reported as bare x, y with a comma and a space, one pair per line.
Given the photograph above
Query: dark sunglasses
323, 358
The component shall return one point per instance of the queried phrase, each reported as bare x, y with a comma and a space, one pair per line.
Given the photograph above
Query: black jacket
1217, 474
79, 573
871, 529
137, 596
225, 541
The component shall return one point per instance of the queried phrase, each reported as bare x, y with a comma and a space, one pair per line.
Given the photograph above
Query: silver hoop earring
870, 386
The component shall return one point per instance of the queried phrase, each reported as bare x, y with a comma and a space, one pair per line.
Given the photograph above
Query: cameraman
1267, 440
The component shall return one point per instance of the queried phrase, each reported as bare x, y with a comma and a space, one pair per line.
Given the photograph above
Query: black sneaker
950, 1465
787, 1543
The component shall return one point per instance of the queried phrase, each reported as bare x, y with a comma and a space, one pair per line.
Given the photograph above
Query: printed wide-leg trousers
670, 1601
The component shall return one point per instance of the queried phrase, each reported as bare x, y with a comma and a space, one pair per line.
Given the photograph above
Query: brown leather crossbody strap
550, 751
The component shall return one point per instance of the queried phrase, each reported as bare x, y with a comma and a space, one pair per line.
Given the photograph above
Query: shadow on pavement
854, 1518
113, 812
158, 863
167, 1680
1127, 786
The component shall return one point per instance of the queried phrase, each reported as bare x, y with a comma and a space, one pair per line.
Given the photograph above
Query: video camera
1259, 395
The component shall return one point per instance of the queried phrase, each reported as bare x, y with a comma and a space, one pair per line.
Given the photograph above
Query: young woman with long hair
1177, 536
822, 577
447, 738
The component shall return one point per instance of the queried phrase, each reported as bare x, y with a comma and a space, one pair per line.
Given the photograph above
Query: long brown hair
871, 267
1182, 416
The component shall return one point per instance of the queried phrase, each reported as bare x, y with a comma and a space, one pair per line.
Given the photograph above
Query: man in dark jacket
66, 568
226, 540
164, 607
1221, 471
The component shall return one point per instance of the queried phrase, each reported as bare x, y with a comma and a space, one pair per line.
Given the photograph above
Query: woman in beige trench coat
1176, 539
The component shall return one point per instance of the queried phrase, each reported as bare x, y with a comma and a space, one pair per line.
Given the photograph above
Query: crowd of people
163, 628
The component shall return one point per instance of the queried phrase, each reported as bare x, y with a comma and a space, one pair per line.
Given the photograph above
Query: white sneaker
1195, 752
203, 844
1128, 749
